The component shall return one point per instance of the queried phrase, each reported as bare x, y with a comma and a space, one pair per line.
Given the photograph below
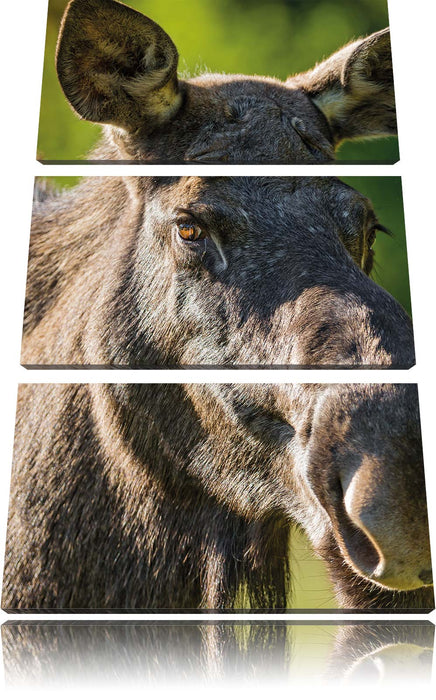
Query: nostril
359, 546
426, 576
386, 545
360, 549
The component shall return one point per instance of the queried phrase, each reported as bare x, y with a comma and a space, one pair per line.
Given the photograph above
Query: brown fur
119, 493
355, 88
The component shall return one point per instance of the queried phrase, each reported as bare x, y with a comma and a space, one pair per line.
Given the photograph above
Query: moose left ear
117, 66
354, 89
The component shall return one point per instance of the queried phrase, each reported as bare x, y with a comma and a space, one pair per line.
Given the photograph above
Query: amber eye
190, 232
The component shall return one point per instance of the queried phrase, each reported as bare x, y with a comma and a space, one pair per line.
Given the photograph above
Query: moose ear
116, 66
354, 88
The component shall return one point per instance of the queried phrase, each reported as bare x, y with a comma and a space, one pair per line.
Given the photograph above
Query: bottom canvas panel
171, 497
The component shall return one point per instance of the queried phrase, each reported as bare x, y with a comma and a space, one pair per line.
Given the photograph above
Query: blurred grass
307, 647
311, 588
276, 38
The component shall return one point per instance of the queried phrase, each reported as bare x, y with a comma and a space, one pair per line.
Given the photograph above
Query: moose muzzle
383, 528
366, 469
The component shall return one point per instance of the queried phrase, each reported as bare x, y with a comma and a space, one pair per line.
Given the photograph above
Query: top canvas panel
184, 82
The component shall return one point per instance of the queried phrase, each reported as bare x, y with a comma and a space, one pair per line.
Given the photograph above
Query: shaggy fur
141, 497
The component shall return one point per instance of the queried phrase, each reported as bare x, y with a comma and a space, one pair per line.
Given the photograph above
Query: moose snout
382, 525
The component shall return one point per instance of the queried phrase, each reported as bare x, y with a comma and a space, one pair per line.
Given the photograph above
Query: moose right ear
354, 89
116, 66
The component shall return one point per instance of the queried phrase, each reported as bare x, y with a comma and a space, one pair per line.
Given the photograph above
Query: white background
22, 49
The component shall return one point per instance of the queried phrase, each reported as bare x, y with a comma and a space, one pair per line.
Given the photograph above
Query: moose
180, 497
222, 271
142, 497
119, 68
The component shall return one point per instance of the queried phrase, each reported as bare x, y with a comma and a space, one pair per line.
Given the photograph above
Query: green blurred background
276, 38
390, 268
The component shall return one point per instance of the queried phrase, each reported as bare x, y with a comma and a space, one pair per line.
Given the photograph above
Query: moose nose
384, 528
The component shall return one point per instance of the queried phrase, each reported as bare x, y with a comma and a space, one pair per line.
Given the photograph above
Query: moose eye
190, 231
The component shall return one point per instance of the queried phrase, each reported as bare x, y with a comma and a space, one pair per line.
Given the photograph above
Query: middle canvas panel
162, 272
